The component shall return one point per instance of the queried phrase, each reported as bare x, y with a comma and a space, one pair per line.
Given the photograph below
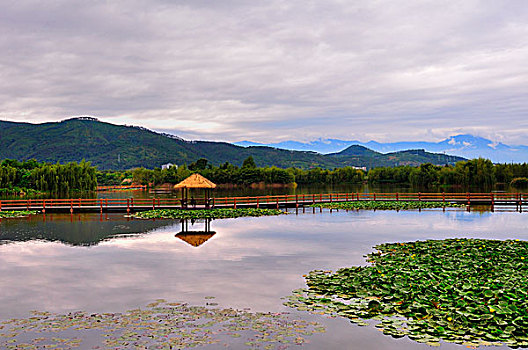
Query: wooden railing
256, 201
120, 187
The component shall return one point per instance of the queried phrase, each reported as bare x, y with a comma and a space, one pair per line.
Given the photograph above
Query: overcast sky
271, 70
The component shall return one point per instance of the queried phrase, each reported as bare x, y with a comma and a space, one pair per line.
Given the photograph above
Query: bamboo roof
195, 181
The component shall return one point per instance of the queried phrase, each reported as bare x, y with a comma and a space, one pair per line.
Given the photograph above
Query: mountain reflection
75, 230
195, 238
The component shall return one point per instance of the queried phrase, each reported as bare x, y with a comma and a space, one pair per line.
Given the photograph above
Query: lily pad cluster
466, 291
161, 325
386, 205
9, 214
220, 213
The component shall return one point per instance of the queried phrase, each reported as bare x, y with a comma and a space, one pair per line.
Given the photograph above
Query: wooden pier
277, 201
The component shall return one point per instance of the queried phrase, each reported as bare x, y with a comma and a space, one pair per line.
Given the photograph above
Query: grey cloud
272, 70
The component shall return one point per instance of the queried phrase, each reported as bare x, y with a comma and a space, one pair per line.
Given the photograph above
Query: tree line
479, 172
476, 172
17, 176
248, 173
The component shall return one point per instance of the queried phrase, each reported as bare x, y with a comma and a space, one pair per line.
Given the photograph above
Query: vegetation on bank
385, 205
247, 174
6, 214
30, 176
466, 291
476, 172
221, 213
519, 182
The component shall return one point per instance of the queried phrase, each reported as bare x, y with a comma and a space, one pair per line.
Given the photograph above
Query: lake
109, 263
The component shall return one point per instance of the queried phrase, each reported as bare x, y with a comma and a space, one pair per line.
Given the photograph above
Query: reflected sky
249, 262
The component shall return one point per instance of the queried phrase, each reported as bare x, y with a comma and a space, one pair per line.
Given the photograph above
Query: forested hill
118, 147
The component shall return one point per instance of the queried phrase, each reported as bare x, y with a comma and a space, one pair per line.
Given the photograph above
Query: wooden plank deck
277, 201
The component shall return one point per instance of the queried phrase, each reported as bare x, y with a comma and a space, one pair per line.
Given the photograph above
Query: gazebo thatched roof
195, 181
195, 239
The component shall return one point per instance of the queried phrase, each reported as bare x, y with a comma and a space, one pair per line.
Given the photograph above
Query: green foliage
221, 213
476, 172
519, 182
385, 205
16, 214
21, 177
466, 291
112, 178
249, 162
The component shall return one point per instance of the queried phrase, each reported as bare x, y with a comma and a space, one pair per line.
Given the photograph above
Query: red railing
274, 200
116, 187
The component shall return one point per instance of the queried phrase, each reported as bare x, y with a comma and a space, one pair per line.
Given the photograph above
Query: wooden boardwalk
277, 201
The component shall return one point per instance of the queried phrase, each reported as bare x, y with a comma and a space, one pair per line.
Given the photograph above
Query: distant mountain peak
463, 145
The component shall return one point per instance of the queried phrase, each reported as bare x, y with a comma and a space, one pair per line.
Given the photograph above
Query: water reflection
74, 230
195, 238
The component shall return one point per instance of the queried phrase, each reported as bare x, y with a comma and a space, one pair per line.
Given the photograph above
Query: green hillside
110, 146
356, 154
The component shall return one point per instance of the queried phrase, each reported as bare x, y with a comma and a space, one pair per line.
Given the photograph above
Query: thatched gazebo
195, 181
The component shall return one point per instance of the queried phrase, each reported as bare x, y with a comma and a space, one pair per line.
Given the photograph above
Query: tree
249, 162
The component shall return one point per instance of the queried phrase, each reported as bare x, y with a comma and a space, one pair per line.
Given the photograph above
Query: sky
270, 71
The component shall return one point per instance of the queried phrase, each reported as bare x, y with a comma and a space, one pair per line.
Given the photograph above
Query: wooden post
468, 199
234, 202
44, 206
357, 195
277, 201
313, 198
101, 204
346, 197
397, 197
153, 203
128, 205
443, 197
374, 196
0, 205
330, 198
419, 196
71, 206
296, 201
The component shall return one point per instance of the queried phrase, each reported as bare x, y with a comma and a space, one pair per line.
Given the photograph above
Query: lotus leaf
465, 291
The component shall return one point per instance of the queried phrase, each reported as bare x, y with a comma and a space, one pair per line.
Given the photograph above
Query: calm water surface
63, 263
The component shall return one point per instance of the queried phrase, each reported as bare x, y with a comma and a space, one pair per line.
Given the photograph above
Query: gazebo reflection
195, 238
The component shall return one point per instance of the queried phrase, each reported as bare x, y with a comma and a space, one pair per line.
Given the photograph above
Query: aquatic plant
386, 205
466, 291
161, 325
9, 214
220, 213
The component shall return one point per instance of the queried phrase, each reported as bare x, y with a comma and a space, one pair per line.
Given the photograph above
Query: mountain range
467, 146
119, 147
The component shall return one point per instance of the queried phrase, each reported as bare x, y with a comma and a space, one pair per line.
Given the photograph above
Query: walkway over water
278, 201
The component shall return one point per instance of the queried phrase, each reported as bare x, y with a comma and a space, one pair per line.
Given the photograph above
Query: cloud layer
270, 71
